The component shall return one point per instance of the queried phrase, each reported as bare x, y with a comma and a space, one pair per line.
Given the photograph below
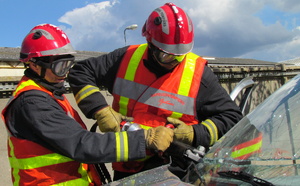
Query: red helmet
170, 29
45, 40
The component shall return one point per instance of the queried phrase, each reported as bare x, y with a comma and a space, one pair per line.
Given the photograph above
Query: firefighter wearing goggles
156, 83
48, 143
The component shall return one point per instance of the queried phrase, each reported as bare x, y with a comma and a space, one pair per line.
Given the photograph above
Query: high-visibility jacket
32, 164
150, 100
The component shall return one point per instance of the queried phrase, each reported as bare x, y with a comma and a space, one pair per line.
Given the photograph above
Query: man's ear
34, 67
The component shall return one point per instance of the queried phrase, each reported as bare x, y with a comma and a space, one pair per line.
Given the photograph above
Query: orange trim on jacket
150, 100
32, 164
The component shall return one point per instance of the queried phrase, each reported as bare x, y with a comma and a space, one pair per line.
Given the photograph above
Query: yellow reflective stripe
213, 131
38, 161
35, 162
246, 150
12, 148
84, 180
84, 173
15, 171
176, 115
121, 146
186, 79
145, 127
75, 182
85, 92
130, 74
134, 62
187, 75
123, 105
24, 84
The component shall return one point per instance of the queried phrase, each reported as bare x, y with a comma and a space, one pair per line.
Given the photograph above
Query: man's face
52, 78
49, 75
168, 61
56, 68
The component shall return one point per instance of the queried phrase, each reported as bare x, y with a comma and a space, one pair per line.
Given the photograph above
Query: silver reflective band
154, 97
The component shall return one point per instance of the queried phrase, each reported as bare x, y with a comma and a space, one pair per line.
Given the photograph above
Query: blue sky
258, 29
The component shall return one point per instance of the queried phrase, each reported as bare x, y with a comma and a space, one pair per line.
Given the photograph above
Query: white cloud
278, 52
223, 28
91, 25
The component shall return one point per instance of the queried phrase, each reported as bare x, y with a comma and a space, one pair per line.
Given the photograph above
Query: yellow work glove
182, 131
158, 138
109, 120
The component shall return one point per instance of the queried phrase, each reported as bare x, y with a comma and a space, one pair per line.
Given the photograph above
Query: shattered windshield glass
262, 149
264, 146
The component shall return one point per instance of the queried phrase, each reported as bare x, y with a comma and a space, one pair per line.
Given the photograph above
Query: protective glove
182, 131
158, 138
109, 120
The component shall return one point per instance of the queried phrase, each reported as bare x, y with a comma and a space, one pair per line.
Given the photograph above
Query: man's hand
109, 120
182, 131
158, 138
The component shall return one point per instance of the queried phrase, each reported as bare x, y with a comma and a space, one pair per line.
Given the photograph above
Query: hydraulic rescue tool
179, 152
183, 157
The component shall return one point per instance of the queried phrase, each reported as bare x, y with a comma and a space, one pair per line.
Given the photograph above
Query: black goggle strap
43, 72
42, 63
44, 66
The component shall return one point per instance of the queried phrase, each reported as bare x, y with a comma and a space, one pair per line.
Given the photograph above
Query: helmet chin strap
43, 72
151, 51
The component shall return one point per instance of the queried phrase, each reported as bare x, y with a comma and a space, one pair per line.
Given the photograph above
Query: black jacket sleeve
37, 117
97, 71
214, 103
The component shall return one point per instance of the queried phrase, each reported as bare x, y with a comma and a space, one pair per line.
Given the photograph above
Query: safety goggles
59, 67
166, 58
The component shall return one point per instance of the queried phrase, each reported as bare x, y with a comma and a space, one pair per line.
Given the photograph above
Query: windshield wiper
245, 177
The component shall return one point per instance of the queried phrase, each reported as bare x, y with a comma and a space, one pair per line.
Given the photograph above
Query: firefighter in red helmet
156, 83
48, 143
170, 29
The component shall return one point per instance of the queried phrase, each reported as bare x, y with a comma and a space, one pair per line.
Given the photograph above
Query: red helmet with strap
170, 29
45, 40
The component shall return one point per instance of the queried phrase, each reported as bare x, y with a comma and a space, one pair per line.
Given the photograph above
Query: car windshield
265, 144
262, 149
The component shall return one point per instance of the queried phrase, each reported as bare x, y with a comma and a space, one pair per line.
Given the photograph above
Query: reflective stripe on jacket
32, 164
150, 100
